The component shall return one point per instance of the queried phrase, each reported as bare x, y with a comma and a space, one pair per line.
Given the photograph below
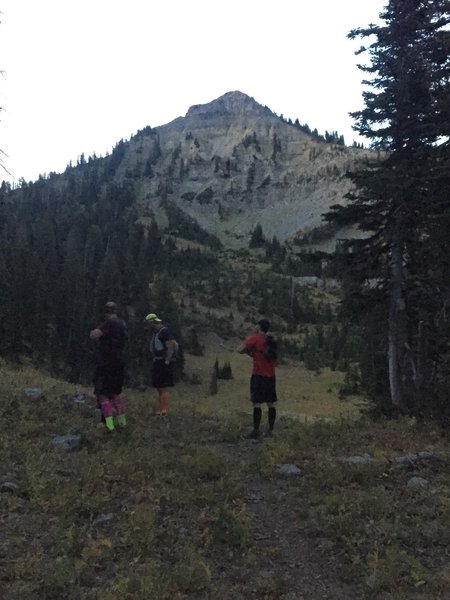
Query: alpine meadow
153, 266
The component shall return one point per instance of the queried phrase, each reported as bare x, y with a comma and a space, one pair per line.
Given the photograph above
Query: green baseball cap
152, 318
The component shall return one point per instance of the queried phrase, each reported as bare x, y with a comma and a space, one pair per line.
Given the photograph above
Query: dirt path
286, 554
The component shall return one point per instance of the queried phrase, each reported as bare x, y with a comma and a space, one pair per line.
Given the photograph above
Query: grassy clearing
302, 393
160, 511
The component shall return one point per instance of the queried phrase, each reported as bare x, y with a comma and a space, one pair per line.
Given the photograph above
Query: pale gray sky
80, 76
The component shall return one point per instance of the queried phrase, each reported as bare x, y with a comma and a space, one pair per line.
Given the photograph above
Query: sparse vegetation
184, 509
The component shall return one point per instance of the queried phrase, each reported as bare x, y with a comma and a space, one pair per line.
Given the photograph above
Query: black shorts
162, 374
108, 378
262, 389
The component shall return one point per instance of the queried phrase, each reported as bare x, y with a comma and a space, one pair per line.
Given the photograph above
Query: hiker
111, 336
163, 349
262, 381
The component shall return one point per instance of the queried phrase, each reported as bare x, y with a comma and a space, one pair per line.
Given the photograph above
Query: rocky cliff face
232, 163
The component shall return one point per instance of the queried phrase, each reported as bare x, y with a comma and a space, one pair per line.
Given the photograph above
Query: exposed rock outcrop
232, 163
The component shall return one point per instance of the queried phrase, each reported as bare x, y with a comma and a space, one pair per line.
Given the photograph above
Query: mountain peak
232, 103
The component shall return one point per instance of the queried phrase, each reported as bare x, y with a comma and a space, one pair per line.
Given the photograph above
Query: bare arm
241, 348
170, 349
96, 334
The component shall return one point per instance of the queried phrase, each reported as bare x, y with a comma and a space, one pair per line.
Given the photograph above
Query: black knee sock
272, 414
257, 412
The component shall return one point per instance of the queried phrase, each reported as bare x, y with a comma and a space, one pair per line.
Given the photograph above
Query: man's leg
162, 379
257, 414
254, 433
255, 382
107, 412
163, 399
272, 415
120, 410
98, 389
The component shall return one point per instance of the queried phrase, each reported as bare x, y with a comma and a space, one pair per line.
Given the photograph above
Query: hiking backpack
270, 347
157, 346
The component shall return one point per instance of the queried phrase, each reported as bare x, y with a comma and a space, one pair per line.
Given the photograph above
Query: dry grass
301, 393
180, 524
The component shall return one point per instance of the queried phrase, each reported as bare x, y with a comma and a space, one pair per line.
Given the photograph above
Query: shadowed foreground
183, 508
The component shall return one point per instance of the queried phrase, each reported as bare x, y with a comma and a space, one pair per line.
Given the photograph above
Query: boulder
288, 469
103, 518
8, 487
67, 443
417, 483
33, 393
361, 459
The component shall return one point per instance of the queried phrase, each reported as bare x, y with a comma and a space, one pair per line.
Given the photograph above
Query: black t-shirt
158, 342
113, 340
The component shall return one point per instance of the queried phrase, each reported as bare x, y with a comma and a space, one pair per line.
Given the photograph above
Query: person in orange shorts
163, 349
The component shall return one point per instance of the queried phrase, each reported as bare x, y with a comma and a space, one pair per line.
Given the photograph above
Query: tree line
68, 246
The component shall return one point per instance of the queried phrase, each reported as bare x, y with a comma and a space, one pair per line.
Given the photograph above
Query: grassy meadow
302, 394
183, 508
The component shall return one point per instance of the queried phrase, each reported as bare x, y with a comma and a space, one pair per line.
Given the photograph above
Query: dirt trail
286, 555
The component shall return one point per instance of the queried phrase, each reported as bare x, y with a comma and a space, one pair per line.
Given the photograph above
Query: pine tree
195, 347
257, 239
407, 118
213, 388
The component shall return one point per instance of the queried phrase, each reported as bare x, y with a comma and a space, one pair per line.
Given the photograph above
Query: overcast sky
80, 76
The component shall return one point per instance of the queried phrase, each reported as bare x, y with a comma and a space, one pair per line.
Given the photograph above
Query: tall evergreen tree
397, 202
257, 239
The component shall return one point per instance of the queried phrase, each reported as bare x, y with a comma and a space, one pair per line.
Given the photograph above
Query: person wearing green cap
163, 348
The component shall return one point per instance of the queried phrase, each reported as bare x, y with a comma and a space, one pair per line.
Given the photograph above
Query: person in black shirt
163, 349
111, 336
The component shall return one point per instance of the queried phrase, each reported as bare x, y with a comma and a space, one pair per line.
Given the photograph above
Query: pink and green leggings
111, 405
